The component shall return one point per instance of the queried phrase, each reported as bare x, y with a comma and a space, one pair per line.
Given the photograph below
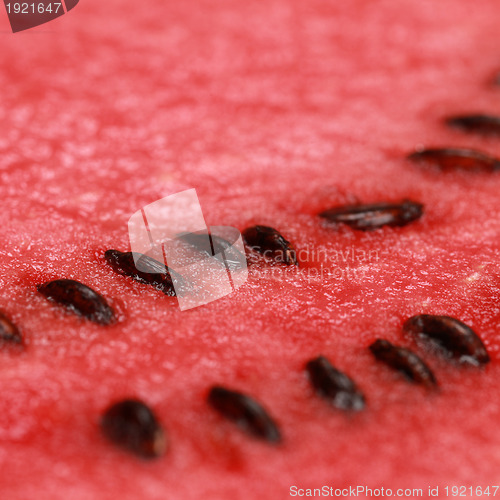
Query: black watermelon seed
80, 299
456, 339
123, 263
215, 245
374, 216
334, 385
455, 158
132, 425
270, 242
212, 245
476, 123
404, 361
9, 333
246, 412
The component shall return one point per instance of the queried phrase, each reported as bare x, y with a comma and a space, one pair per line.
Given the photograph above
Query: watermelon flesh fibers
274, 111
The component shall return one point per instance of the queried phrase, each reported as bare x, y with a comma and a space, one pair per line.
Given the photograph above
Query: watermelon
274, 112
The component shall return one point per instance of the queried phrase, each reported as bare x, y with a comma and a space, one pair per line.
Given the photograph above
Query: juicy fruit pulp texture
275, 112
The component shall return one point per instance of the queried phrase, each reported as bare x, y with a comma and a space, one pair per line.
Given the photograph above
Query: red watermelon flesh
274, 111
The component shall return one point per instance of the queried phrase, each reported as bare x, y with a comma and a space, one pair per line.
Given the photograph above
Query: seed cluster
131, 424
448, 159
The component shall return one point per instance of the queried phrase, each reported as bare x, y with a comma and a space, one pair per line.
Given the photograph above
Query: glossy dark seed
216, 246
476, 123
80, 299
123, 263
404, 361
9, 333
269, 242
334, 385
246, 412
456, 339
132, 425
456, 159
374, 216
